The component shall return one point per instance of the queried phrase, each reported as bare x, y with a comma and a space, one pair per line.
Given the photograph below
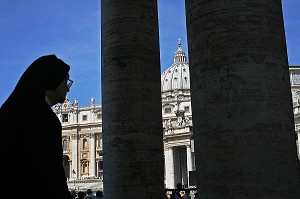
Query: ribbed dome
177, 76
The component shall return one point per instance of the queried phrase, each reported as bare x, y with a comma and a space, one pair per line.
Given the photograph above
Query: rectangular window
100, 169
187, 109
65, 117
168, 110
84, 118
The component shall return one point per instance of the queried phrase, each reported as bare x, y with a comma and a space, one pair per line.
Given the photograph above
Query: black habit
31, 144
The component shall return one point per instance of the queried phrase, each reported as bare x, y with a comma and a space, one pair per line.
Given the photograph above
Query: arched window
85, 167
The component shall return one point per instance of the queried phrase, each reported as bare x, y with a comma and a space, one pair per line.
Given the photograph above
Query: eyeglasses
70, 82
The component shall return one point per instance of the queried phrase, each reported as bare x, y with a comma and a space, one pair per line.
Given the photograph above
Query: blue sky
71, 30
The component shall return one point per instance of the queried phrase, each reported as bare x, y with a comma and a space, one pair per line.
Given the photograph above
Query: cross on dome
179, 56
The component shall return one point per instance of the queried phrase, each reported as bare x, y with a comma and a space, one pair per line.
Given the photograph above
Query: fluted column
74, 155
131, 100
92, 155
241, 100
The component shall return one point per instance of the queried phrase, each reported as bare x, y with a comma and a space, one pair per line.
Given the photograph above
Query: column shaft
92, 155
189, 161
74, 156
131, 100
169, 159
241, 100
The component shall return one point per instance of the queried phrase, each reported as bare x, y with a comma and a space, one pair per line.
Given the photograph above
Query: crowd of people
88, 194
181, 193
178, 193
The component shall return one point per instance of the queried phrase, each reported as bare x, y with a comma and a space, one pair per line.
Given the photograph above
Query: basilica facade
82, 128
295, 88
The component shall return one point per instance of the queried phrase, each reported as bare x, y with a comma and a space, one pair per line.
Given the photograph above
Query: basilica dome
177, 76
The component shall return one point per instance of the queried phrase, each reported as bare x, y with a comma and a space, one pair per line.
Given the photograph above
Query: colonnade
242, 110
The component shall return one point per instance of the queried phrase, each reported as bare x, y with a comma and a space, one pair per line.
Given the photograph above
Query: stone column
298, 143
100, 142
70, 170
189, 161
92, 155
241, 100
74, 155
131, 100
169, 166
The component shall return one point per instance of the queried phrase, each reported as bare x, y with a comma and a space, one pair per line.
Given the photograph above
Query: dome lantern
179, 56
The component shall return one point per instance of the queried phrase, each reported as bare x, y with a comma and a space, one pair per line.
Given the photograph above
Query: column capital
92, 135
170, 148
74, 136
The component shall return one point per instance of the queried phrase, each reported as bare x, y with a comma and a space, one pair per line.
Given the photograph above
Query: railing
85, 180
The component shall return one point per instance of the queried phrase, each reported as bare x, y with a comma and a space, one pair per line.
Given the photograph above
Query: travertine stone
131, 92
241, 99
